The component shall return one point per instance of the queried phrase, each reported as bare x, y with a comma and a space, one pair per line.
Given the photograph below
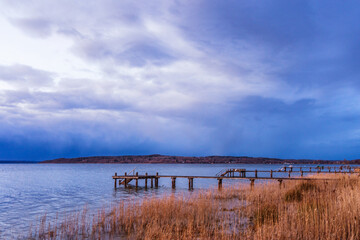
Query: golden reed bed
299, 210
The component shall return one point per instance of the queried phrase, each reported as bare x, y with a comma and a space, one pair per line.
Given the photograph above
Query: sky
190, 78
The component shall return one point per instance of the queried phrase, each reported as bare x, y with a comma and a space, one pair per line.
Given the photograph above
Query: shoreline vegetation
297, 210
157, 158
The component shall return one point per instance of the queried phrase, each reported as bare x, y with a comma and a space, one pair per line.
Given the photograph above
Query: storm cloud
273, 79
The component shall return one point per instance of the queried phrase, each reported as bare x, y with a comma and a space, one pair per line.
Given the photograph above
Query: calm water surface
28, 191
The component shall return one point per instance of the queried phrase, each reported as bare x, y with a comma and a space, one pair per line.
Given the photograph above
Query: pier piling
137, 180
146, 179
252, 183
219, 183
125, 181
157, 180
173, 182
191, 183
115, 186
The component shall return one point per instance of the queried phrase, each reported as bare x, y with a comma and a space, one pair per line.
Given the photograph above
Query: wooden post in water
125, 181
152, 182
157, 180
291, 169
255, 173
302, 173
137, 180
271, 173
173, 182
280, 183
285, 169
115, 184
310, 169
146, 178
219, 183
289, 173
191, 183
252, 182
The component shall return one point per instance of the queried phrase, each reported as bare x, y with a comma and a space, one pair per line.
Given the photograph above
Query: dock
234, 174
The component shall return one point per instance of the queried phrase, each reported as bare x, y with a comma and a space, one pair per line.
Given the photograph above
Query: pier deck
232, 174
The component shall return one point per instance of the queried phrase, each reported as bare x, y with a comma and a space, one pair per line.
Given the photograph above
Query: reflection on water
28, 191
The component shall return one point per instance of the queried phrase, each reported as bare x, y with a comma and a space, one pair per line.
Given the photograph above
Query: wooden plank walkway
226, 174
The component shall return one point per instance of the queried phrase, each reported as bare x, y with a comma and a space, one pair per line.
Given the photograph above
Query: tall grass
299, 210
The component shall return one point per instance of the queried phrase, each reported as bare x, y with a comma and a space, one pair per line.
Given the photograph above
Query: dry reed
299, 210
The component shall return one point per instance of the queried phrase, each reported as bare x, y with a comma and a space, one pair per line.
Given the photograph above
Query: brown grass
299, 210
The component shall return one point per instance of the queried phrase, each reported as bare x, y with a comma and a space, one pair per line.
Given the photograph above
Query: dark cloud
135, 54
35, 27
25, 75
276, 79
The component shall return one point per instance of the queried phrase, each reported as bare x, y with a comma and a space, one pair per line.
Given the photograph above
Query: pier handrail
132, 171
222, 171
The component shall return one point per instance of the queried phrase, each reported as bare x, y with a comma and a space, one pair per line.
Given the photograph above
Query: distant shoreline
18, 162
164, 159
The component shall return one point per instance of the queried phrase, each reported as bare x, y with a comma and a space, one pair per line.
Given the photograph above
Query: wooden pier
229, 174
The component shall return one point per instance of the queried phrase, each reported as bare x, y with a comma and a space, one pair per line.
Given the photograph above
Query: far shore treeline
156, 158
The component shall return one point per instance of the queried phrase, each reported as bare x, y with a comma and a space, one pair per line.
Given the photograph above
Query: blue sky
246, 78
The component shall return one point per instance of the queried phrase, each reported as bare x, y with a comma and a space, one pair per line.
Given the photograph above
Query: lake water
28, 191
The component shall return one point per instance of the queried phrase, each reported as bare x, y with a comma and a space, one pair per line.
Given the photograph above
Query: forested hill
205, 160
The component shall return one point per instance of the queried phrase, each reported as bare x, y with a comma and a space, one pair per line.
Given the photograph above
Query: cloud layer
186, 78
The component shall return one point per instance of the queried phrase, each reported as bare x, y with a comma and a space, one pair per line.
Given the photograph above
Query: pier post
173, 182
146, 178
125, 181
289, 173
191, 183
291, 169
310, 169
219, 183
252, 182
137, 180
271, 173
284, 169
157, 180
302, 173
152, 182
115, 184
280, 183
255, 173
